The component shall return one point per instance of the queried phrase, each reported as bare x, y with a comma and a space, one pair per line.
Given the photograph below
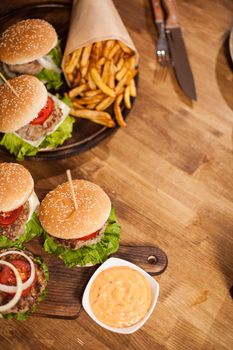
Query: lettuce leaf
51, 79
33, 229
22, 316
20, 148
56, 55
92, 254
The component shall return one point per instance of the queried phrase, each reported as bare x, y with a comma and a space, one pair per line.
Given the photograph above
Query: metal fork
162, 51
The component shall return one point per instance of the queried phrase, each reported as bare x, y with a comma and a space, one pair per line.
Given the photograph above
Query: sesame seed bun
16, 112
59, 218
27, 41
16, 185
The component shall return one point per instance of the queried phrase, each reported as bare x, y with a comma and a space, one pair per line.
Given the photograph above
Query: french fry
120, 64
127, 97
84, 70
111, 81
122, 71
117, 111
125, 48
101, 61
70, 77
79, 102
98, 81
132, 62
113, 51
125, 80
105, 72
91, 81
107, 47
96, 51
77, 78
92, 93
74, 61
90, 100
117, 56
105, 103
133, 91
77, 90
102, 118
85, 56
93, 71
76, 104
91, 106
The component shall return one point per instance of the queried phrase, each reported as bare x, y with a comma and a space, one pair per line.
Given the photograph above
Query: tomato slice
92, 235
7, 276
9, 217
44, 113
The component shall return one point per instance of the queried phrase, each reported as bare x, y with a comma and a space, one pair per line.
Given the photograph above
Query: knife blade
178, 50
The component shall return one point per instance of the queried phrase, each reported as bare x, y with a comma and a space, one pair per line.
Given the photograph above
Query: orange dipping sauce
120, 296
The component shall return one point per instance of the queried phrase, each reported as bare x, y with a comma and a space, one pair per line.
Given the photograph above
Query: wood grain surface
170, 176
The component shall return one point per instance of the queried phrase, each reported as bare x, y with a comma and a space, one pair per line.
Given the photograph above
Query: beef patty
14, 231
75, 244
32, 68
35, 132
25, 303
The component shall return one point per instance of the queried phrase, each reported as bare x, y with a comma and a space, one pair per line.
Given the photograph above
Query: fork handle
158, 11
172, 18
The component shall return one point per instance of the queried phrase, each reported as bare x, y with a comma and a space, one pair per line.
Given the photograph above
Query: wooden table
170, 176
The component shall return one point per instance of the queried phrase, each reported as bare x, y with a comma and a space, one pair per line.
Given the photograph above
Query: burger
18, 206
32, 119
31, 47
23, 281
84, 236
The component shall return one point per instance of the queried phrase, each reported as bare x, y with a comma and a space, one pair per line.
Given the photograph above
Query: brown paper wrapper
92, 21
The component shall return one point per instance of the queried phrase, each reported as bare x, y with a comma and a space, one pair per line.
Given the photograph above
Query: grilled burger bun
18, 205
17, 111
82, 237
16, 185
59, 218
27, 41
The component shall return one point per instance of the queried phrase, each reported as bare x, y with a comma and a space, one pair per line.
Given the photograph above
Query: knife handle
172, 18
158, 11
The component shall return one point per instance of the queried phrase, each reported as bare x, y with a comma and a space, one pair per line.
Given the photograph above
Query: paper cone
92, 21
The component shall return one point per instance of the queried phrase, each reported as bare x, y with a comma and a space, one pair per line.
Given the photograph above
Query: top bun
26, 41
60, 219
16, 112
16, 185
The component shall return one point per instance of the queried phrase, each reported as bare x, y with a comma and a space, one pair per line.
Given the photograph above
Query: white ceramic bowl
120, 262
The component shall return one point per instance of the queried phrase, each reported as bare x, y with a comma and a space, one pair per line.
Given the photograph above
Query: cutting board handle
150, 258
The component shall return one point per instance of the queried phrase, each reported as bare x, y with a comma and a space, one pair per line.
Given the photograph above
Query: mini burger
23, 281
32, 120
18, 206
84, 236
31, 47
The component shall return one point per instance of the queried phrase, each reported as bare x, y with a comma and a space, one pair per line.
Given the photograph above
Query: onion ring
19, 287
28, 283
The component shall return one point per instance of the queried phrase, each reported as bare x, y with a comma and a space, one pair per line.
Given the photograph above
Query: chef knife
178, 50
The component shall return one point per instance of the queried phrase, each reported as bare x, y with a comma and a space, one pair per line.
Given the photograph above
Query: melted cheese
33, 204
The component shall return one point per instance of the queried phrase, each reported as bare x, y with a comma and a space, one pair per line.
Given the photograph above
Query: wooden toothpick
8, 84
68, 173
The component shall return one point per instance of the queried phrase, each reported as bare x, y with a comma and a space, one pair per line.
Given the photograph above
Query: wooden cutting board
66, 286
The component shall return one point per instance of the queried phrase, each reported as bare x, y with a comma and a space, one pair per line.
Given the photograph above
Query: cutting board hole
152, 259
